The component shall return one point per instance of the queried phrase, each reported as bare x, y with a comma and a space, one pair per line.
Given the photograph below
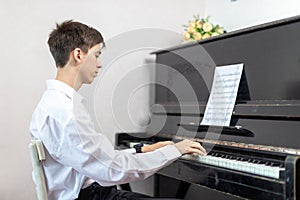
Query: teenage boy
80, 162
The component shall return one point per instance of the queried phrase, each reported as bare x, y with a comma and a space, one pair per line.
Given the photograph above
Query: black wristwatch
138, 147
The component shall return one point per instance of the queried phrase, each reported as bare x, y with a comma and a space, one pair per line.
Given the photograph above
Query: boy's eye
97, 55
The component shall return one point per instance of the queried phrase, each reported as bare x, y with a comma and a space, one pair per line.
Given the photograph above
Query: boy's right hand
189, 147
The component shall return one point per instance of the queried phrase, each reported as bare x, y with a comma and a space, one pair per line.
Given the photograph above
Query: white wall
26, 63
237, 14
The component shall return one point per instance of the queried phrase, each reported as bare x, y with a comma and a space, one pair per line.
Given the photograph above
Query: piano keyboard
245, 170
262, 168
271, 170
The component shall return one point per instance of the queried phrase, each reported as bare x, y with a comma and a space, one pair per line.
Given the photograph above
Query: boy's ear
77, 55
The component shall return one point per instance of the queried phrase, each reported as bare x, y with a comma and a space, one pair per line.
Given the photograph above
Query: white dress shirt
76, 154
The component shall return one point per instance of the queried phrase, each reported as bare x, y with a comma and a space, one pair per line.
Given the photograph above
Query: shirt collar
64, 88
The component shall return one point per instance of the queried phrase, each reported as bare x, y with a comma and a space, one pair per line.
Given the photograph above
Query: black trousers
97, 192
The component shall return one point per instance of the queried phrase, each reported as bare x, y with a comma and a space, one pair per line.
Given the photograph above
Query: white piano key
244, 166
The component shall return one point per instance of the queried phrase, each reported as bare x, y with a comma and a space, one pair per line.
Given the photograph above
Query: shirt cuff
131, 150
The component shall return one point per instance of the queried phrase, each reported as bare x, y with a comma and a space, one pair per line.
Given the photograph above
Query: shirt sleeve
91, 154
130, 150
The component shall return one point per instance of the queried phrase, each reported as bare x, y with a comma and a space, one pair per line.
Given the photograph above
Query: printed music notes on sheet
223, 95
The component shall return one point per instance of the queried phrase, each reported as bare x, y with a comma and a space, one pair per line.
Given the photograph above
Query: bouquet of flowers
201, 29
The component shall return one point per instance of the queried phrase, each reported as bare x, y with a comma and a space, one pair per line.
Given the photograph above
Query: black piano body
257, 156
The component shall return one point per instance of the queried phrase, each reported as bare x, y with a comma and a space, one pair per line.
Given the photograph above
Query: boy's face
91, 64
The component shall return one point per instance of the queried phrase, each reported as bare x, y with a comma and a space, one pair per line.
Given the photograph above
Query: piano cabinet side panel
292, 177
297, 179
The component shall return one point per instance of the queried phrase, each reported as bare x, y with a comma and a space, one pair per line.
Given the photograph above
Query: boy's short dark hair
70, 35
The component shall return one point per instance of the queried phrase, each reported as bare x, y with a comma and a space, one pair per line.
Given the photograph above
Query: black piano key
255, 161
274, 164
281, 165
232, 157
268, 163
263, 162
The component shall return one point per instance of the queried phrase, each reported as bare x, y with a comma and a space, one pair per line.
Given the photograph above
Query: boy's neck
69, 76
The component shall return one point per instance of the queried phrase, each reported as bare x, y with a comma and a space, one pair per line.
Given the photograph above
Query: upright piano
257, 155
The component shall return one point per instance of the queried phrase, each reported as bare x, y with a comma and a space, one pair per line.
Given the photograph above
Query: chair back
37, 155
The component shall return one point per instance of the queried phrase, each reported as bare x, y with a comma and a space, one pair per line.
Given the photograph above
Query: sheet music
223, 95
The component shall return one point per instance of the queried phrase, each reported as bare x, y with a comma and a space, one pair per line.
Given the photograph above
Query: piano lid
270, 80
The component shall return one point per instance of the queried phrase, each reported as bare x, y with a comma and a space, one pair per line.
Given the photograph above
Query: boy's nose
99, 64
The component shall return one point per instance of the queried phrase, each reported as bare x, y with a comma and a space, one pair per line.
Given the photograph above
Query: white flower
186, 36
207, 27
220, 30
192, 24
199, 24
214, 34
206, 35
191, 30
197, 36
